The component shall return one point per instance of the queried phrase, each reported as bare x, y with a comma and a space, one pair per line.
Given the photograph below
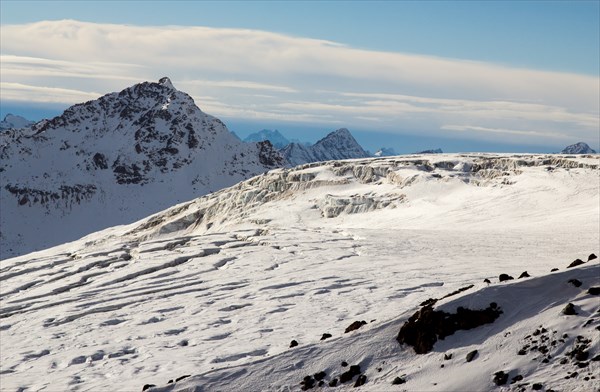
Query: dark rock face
471, 356
505, 277
569, 310
426, 326
268, 156
326, 336
355, 325
500, 378
575, 263
349, 375
594, 290
524, 274
293, 343
575, 282
592, 257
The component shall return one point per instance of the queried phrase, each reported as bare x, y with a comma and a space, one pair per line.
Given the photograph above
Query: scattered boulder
333, 382
537, 387
355, 325
500, 378
344, 364
524, 274
147, 386
447, 356
319, 376
594, 290
293, 343
575, 263
326, 336
182, 377
569, 310
471, 356
554, 269
516, 378
575, 282
349, 375
307, 383
505, 277
592, 257
398, 381
486, 280
361, 380
426, 326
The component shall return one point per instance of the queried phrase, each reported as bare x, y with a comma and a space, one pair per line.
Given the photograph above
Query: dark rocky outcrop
500, 378
398, 381
361, 380
575, 263
293, 343
524, 274
349, 375
594, 290
426, 326
505, 277
569, 309
355, 325
326, 336
471, 355
147, 386
592, 257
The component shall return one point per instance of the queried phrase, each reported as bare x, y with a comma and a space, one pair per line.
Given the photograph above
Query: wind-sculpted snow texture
217, 288
115, 160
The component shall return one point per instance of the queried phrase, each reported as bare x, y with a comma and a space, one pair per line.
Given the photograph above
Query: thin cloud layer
249, 74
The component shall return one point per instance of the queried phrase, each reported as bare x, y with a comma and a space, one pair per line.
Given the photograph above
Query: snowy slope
337, 145
218, 287
115, 160
578, 148
12, 121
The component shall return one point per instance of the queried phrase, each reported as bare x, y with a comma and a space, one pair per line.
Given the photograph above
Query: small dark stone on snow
398, 381
563, 361
554, 269
333, 382
575, 263
344, 363
569, 310
505, 277
293, 343
326, 336
537, 387
148, 386
575, 282
592, 257
583, 364
321, 383
182, 377
500, 378
448, 356
594, 290
354, 326
471, 355
524, 274
522, 352
442, 365
319, 376
170, 382
361, 380
516, 378
379, 370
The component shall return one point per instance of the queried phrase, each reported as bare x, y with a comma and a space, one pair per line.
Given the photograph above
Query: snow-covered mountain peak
339, 144
99, 154
578, 148
12, 121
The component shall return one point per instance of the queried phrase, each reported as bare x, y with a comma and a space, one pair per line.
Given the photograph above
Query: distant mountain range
12, 121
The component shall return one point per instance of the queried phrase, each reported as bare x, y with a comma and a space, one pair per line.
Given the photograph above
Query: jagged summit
113, 160
165, 81
578, 148
339, 144
274, 136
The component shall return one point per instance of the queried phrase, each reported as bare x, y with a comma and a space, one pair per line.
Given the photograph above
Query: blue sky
471, 55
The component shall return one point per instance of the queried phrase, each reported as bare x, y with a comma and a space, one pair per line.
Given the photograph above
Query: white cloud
304, 79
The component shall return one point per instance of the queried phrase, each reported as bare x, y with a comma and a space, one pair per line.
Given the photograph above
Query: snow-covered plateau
217, 288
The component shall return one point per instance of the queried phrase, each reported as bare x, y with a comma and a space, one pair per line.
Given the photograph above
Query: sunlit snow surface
219, 286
